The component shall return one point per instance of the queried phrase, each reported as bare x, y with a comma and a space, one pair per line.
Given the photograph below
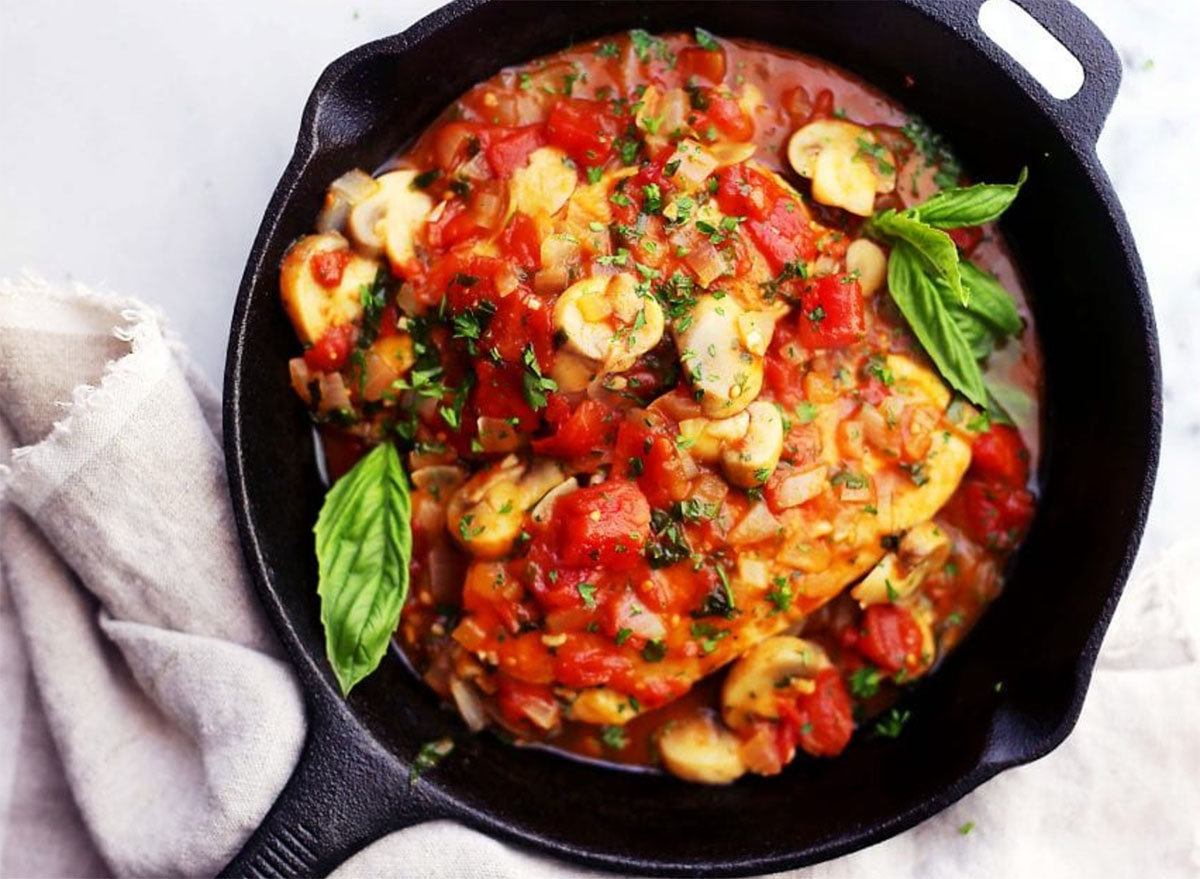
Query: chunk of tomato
829, 719
705, 63
521, 702
521, 242
520, 322
329, 353
653, 459
584, 129
328, 265
891, 638
589, 428
510, 150
587, 660
605, 525
999, 453
992, 512
727, 115
831, 313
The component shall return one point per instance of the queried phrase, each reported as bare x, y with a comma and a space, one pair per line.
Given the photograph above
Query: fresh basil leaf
969, 205
977, 333
915, 290
935, 248
989, 299
1009, 404
364, 544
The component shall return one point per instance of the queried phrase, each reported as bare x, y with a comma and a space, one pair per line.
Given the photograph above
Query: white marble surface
141, 139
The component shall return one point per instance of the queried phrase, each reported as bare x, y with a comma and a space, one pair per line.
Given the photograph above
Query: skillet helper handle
344, 793
1082, 115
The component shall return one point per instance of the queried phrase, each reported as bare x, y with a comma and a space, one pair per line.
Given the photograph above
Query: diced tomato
727, 115
652, 458
522, 702
999, 453
605, 525
584, 129
455, 224
588, 660
831, 313
706, 63
526, 658
782, 371
738, 193
992, 512
891, 638
510, 150
589, 428
625, 613
521, 321
784, 236
465, 280
652, 691
521, 242
329, 353
829, 719
328, 265
499, 393
823, 104
966, 237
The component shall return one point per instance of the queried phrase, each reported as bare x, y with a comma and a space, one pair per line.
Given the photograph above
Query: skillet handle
344, 793
1082, 115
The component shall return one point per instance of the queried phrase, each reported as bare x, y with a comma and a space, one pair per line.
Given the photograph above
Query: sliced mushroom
783, 665
747, 445
603, 707
313, 307
391, 217
867, 260
486, 514
697, 748
846, 163
899, 574
344, 193
388, 359
721, 346
542, 186
607, 321
751, 460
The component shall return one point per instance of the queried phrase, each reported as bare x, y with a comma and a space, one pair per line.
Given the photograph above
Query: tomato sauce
591, 553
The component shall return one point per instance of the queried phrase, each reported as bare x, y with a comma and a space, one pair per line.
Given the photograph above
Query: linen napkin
148, 720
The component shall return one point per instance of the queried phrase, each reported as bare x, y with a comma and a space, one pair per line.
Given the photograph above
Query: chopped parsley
892, 724
533, 383
614, 738
705, 40
864, 682
430, 755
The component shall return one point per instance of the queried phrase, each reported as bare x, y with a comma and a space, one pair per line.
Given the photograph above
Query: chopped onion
542, 509
801, 487
752, 571
758, 524
334, 396
355, 186
301, 376
469, 704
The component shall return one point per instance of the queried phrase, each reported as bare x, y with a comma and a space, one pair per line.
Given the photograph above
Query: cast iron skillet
1040, 639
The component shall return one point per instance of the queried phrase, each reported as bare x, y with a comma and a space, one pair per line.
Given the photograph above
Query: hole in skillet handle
1060, 57
1033, 47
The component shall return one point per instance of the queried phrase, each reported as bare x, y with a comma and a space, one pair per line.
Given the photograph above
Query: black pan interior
1038, 641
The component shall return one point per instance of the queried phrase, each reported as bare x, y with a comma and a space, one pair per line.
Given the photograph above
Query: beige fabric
174, 717
138, 680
